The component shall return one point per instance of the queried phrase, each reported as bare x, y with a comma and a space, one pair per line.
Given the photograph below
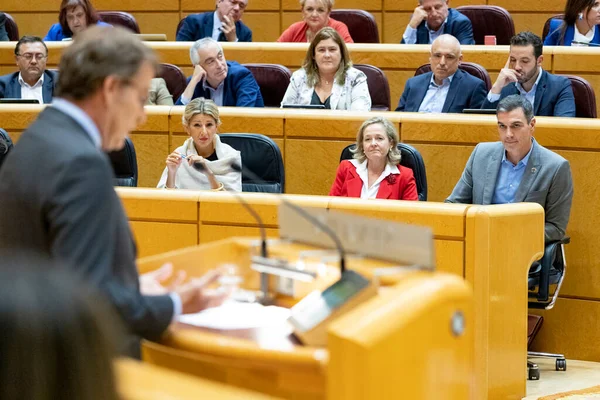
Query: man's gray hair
97, 53
201, 44
513, 102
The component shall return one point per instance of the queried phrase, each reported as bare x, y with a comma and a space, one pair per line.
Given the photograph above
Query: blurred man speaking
56, 185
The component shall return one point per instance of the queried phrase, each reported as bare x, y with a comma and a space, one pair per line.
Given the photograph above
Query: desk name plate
379, 239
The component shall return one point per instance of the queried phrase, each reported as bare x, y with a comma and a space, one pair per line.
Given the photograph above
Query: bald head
445, 57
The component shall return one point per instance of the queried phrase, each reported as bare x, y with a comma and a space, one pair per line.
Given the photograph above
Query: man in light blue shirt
550, 95
518, 169
433, 18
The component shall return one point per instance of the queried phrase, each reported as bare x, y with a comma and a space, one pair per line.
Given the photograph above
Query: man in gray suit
56, 185
518, 169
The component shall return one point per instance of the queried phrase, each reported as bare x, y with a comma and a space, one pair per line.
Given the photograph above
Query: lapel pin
533, 170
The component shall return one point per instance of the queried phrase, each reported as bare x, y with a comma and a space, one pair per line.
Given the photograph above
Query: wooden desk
470, 242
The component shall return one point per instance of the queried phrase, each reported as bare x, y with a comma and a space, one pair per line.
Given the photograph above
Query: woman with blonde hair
203, 161
315, 16
375, 171
327, 77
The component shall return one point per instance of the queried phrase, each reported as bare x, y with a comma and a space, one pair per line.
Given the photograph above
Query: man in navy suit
224, 24
446, 88
550, 95
32, 81
227, 83
433, 18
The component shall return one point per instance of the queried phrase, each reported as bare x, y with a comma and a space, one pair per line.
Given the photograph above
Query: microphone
199, 166
303, 213
586, 44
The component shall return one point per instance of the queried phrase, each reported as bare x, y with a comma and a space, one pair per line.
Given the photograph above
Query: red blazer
396, 186
297, 32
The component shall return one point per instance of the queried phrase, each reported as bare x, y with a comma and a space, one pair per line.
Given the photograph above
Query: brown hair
393, 156
96, 54
91, 15
310, 65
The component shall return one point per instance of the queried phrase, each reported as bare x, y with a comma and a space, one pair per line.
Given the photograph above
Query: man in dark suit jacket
227, 83
433, 18
518, 169
550, 95
446, 88
33, 81
224, 24
56, 186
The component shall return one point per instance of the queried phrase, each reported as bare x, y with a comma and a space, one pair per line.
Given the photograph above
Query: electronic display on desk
312, 314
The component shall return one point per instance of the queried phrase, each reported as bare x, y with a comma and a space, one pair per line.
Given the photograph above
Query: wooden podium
414, 339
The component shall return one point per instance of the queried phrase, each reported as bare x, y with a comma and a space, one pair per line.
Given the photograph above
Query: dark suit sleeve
565, 103
3, 33
464, 31
558, 203
478, 96
340, 179
463, 191
247, 90
404, 97
487, 105
245, 34
189, 29
84, 225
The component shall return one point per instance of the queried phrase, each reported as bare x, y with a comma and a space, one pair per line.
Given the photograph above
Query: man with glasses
227, 83
33, 81
224, 24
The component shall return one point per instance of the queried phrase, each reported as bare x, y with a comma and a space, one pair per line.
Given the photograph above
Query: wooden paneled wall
398, 62
312, 141
268, 18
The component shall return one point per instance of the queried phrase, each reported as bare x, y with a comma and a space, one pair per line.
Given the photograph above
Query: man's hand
419, 15
196, 296
506, 76
228, 28
152, 283
198, 75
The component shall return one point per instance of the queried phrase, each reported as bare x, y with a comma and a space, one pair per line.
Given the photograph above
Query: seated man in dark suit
224, 24
518, 169
433, 18
227, 83
550, 95
446, 88
32, 81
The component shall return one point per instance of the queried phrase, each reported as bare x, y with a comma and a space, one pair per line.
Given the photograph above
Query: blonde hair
393, 156
203, 106
327, 3
310, 65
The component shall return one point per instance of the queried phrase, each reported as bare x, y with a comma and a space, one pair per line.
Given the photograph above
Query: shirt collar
216, 21
448, 79
362, 168
524, 160
440, 28
80, 117
534, 87
40, 81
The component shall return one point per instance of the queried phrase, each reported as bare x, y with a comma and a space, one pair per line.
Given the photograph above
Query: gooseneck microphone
263, 234
590, 44
303, 213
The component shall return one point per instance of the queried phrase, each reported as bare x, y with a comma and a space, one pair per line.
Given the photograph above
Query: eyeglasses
30, 56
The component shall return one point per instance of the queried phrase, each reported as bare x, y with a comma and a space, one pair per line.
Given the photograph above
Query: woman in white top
579, 26
328, 78
202, 149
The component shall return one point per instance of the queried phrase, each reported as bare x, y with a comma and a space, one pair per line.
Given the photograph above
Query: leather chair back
546, 30
585, 98
471, 68
489, 20
6, 145
120, 18
273, 80
361, 24
260, 155
124, 163
12, 28
411, 158
175, 79
379, 88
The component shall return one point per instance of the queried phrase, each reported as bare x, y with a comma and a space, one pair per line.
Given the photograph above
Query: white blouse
361, 169
579, 37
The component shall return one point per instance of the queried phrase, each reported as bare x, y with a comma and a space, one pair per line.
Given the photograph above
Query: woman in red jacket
375, 171
315, 16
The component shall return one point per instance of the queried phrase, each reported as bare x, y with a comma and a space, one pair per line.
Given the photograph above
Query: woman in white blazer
328, 78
